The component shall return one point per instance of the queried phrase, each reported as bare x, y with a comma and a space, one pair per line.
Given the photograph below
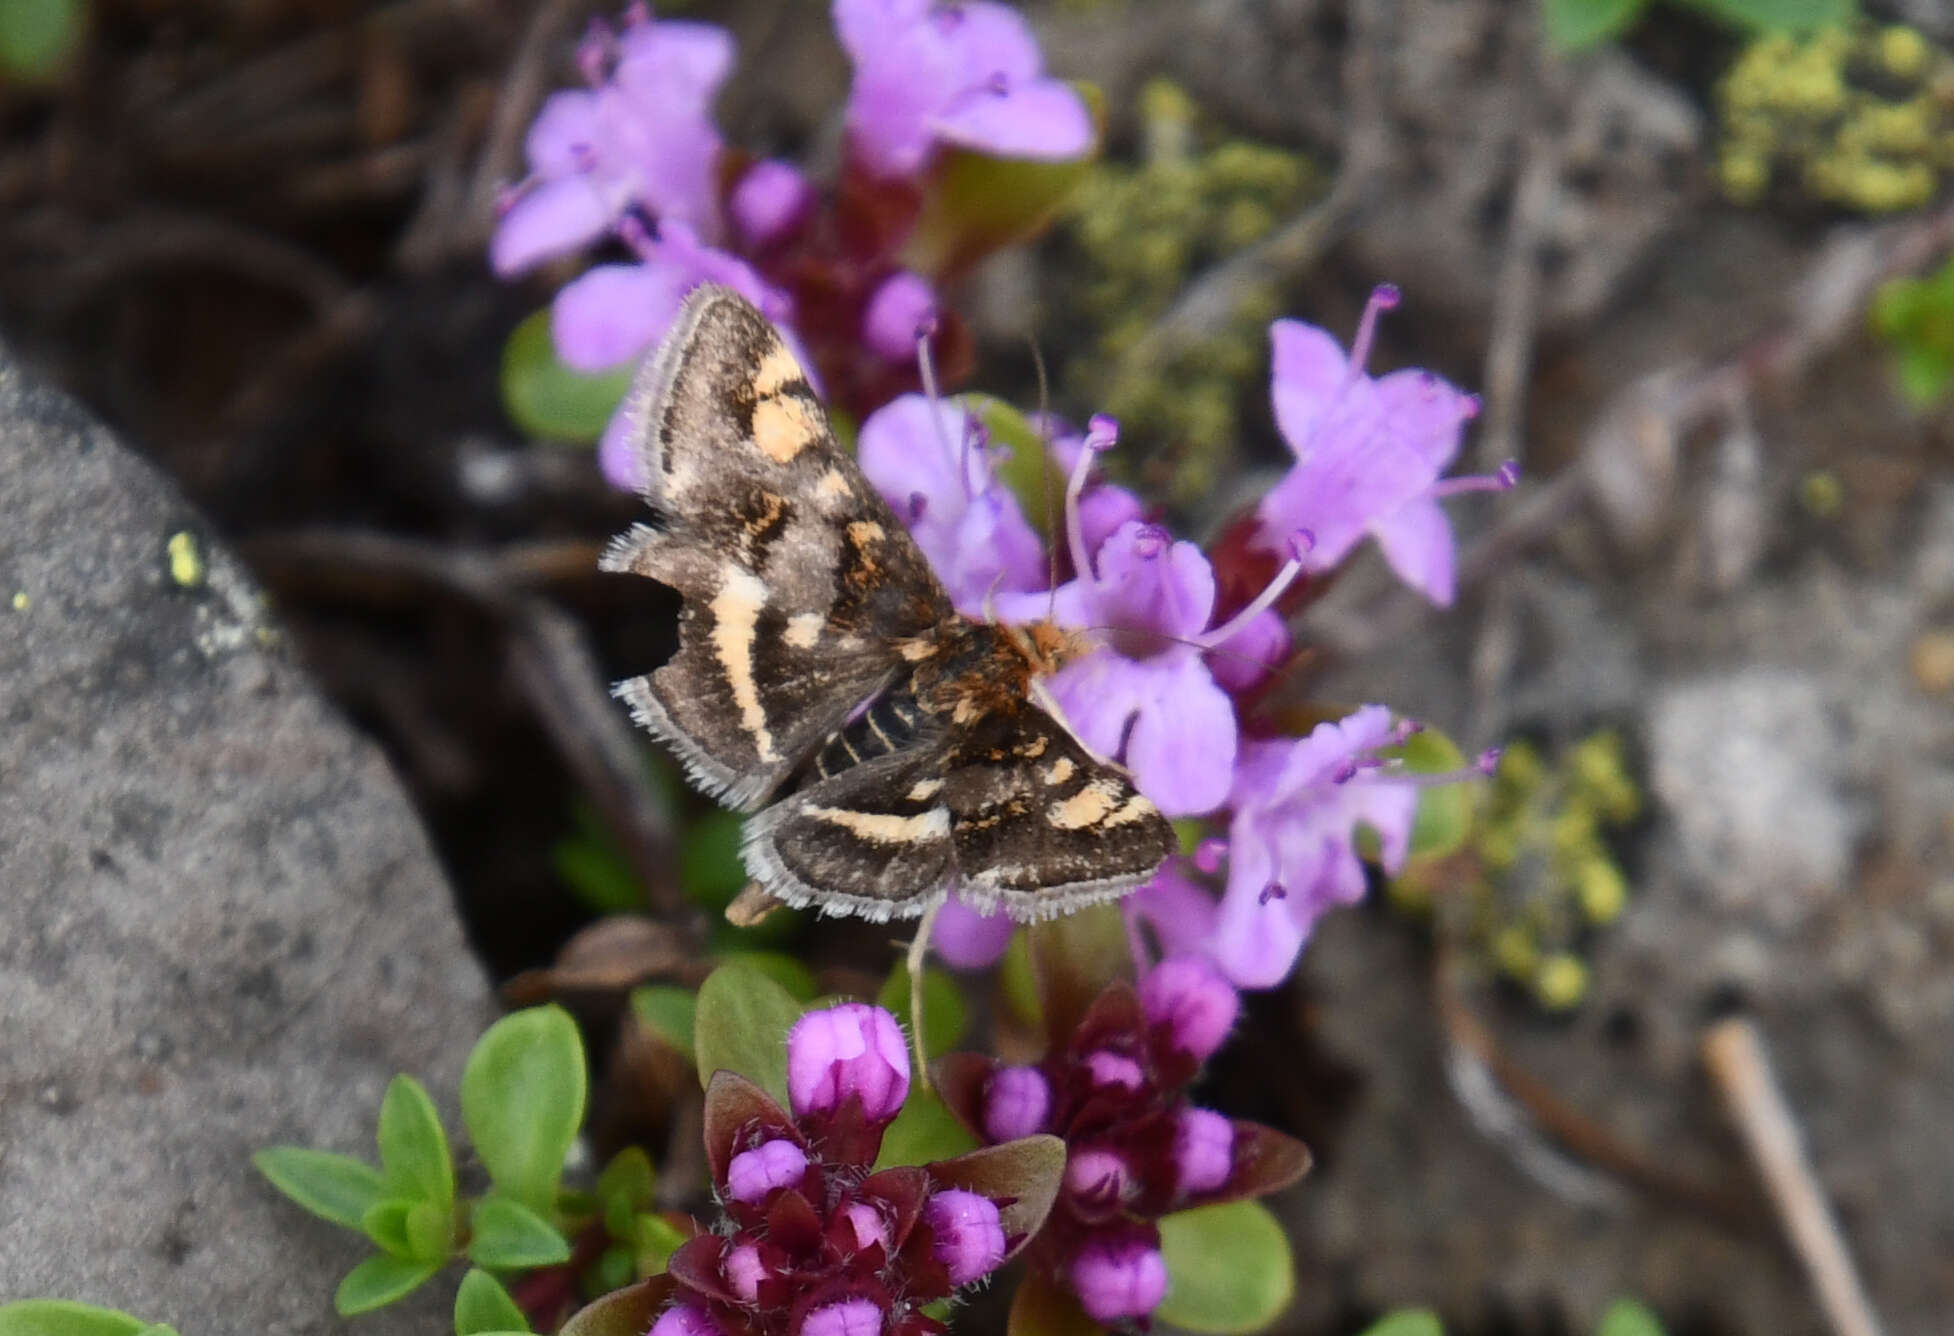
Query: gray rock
221, 927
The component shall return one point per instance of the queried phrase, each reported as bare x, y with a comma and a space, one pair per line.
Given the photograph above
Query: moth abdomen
891, 723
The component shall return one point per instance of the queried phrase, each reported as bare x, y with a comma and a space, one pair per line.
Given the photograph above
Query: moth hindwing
822, 674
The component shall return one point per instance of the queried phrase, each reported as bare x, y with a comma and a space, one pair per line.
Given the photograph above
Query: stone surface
221, 927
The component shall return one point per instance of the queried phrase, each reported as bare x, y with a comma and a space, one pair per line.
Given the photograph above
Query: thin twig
1734, 1054
1516, 302
515, 106
548, 654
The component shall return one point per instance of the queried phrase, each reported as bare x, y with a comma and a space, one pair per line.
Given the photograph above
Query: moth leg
918, 950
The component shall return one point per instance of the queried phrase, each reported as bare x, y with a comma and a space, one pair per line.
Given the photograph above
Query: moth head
1045, 645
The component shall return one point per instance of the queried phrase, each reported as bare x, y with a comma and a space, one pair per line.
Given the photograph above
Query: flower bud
767, 1167
1192, 998
1096, 1176
865, 1225
684, 1319
969, 1234
849, 1317
1114, 1069
1204, 1151
1017, 1103
898, 314
1119, 1277
770, 201
744, 1272
852, 1049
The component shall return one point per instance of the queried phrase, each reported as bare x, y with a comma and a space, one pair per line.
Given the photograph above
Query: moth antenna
1045, 476
918, 951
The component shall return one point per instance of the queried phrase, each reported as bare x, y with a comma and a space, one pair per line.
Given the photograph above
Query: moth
889, 748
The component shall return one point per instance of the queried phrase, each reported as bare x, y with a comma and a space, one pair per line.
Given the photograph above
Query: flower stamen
1102, 433
1501, 479
1300, 543
1383, 297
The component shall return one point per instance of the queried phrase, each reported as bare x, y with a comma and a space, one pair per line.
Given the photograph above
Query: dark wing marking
1040, 825
797, 578
873, 840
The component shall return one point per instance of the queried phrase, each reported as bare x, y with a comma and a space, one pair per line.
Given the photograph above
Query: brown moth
890, 748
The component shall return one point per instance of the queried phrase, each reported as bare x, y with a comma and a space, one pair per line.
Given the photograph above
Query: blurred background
1691, 256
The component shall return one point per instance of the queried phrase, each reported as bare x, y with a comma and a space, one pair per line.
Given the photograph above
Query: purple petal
910, 448
1424, 417
992, 43
1103, 509
553, 219
1245, 658
617, 453
969, 939
864, 27
1307, 373
563, 135
1181, 914
613, 313
675, 59
1417, 541
1147, 586
1256, 938
904, 73
1043, 119
1182, 748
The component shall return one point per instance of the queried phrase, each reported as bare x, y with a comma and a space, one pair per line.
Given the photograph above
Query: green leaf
945, 1015
157, 1329
39, 38
1789, 16
507, 1235
482, 1306
628, 1180
598, 874
378, 1281
1407, 1322
1041, 1307
1228, 1268
1625, 1317
62, 1317
709, 866
522, 1097
1445, 810
414, 1158
667, 1012
742, 1027
386, 1223
924, 1130
1028, 469
1073, 959
782, 968
547, 399
338, 1188
657, 1239
1573, 25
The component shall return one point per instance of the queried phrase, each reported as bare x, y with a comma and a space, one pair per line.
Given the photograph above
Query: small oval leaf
547, 399
1228, 1268
945, 1017
334, 1187
1445, 810
378, 1281
1407, 1322
414, 1158
385, 1222
62, 1317
741, 1027
625, 1312
508, 1234
522, 1098
1625, 1317
482, 1306
668, 1012
923, 1130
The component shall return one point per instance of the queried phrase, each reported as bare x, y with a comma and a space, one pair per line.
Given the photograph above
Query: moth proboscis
888, 748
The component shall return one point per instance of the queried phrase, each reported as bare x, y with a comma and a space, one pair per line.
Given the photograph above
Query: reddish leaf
738, 1114
903, 1190
1042, 1308
626, 1312
962, 1081
1021, 1176
1265, 1161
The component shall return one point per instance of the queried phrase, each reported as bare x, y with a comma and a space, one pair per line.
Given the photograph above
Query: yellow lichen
186, 560
1861, 117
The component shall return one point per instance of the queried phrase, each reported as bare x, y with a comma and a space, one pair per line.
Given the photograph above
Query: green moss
1536, 877
1141, 232
1860, 117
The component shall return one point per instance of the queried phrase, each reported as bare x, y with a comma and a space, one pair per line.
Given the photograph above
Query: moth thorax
1046, 646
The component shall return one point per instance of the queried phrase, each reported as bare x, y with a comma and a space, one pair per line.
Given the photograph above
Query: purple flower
968, 75
644, 136
1119, 1277
1189, 995
853, 1049
1017, 1103
684, 1320
899, 312
969, 1234
1096, 1177
1368, 454
865, 1223
850, 1317
769, 204
1107, 1068
766, 1168
1204, 1151
744, 1271
968, 938
1297, 805
933, 464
